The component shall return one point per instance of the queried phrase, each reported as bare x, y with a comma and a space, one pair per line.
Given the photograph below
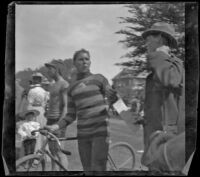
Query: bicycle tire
113, 158
30, 158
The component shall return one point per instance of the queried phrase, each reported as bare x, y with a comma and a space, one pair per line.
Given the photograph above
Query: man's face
37, 80
82, 62
51, 72
46, 87
152, 42
30, 117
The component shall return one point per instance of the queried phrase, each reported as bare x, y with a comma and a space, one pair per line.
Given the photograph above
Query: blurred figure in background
46, 85
164, 105
166, 152
57, 109
24, 129
37, 99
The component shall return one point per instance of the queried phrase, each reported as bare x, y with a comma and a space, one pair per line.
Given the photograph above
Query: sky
46, 32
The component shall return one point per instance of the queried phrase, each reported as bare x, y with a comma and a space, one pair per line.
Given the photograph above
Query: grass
119, 132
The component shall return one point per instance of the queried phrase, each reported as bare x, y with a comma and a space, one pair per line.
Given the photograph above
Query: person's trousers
29, 146
42, 121
93, 153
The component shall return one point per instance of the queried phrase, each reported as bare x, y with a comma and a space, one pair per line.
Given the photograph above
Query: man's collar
83, 75
36, 85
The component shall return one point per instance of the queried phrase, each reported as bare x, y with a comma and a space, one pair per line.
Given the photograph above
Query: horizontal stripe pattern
55, 106
97, 103
86, 101
86, 94
90, 101
101, 131
93, 119
89, 89
91, 111
55, 116
91, 126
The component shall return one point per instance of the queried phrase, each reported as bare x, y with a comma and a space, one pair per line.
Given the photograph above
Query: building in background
130, 84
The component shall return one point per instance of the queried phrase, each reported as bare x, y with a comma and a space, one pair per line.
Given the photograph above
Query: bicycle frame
43, 151
51, 137
112, 163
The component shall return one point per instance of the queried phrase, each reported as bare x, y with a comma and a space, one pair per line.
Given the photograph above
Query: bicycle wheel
32, 162
121, 157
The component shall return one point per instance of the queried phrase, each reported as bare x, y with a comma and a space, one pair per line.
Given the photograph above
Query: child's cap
34, 112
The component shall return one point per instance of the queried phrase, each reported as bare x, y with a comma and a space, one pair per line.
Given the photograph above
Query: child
26, 127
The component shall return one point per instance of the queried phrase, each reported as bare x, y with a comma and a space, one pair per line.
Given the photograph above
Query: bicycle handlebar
45, 132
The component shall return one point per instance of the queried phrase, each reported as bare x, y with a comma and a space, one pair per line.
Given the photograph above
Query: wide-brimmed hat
25, 113
164, 28
54, 64
37, 75
50, 65
58, 65
45, 81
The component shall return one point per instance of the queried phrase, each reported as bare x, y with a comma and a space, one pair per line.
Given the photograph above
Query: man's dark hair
56, 66
80, 51
58, 69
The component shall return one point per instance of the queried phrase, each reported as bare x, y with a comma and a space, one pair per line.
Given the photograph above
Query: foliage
67, 69
143, 16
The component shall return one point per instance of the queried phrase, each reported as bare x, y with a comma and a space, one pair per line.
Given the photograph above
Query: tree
143, 16
67, 69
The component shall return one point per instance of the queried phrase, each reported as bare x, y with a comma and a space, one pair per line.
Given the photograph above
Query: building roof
130, 73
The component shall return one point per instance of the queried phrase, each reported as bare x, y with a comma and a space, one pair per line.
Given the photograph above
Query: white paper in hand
120, 106
126, 114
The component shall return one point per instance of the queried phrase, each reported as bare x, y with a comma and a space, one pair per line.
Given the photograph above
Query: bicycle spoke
121, 157
30, 165
127, 161
111, 162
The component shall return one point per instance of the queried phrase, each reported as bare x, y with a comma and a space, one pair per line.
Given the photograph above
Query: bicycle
37, 162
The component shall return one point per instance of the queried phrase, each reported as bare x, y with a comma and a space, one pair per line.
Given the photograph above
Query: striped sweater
86, 102
55, 106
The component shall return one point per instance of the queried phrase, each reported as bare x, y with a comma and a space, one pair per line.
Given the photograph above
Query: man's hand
52, 128
111, 94
156, 58
139, 120
158, 138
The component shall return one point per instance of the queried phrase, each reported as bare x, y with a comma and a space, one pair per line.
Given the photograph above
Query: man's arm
107, 90
69, 113
166, 151
168, 72
30, 96
64, 108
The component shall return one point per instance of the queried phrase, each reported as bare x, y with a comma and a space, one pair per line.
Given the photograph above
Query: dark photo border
191, 88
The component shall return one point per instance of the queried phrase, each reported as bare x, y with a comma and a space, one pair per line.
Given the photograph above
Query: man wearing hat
37, 99
164, 93
57, 108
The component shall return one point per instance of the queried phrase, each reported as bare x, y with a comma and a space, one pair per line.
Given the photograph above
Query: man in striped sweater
86, 101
